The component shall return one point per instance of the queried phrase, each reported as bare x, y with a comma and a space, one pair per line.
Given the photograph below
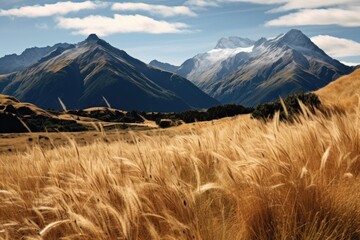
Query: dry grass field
236, 179
342, 93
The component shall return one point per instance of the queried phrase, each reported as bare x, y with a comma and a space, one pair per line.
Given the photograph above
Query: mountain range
238, 70
242, 71
94, 73
13, 63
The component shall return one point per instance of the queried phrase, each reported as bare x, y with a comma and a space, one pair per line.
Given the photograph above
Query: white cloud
351, 64
257, 1
286, 5
165, 11
331, 16
104, 26
202, 3
311, 4
337, 47
216, 3
308, 12
59, 8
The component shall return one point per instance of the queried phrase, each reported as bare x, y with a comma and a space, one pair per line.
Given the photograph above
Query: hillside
343, 93
93, 72
22, 117
7, 102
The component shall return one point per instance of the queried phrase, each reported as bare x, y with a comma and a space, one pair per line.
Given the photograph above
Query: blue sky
173, 31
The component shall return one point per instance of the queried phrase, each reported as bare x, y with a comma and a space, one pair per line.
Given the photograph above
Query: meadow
230, 179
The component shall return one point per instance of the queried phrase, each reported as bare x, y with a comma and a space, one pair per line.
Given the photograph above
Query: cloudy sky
173, 31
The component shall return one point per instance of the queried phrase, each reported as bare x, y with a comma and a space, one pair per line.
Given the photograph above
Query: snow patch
216, 55
275, 38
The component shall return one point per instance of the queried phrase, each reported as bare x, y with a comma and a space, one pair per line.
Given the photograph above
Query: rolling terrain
236, 178
22, 117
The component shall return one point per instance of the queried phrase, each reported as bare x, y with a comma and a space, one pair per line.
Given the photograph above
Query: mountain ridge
13, 62
276, 67
163, 66
82, 76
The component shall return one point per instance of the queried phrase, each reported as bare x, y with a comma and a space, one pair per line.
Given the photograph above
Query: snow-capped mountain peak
208, 65
297, 40
247, 72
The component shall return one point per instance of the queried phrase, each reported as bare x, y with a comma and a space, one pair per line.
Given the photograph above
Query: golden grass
8, 100
343, 93
240, 180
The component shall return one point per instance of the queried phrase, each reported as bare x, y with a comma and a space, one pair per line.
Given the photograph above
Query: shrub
45, 124
110, 116
191, 116
165, 123
229, 110
267, 111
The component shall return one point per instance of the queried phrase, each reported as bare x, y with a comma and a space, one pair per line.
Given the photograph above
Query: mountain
163, 66
247, 72
14, 62
287, 64
93, 72
234, 42
208, 66
343, 92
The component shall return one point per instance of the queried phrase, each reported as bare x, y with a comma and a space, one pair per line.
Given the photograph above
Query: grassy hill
343, 93
22, 117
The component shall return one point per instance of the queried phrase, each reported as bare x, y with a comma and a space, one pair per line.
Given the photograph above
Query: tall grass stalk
243, 179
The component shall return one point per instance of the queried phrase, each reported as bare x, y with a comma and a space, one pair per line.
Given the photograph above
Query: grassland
342, 93
230, 179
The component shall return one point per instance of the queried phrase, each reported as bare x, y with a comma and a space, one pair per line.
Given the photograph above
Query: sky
173, 31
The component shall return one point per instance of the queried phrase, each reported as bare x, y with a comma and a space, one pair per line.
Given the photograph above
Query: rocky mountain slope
287, 64
263, 72
93, 73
